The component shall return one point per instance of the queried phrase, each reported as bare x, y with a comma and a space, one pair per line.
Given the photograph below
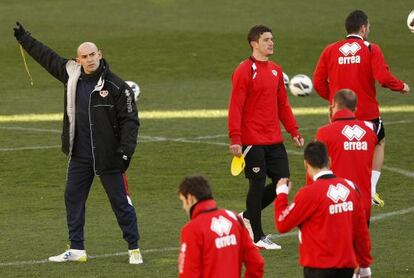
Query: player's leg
116, 187
277, 165
255, 171
254, 206
79, 179
378, 161
256, 174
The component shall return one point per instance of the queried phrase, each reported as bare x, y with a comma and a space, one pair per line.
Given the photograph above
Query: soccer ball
286, 80
135, 88
410, 21
300, 85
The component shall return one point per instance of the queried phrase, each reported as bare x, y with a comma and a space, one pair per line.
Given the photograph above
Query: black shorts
379, 124
310, 272
267, 160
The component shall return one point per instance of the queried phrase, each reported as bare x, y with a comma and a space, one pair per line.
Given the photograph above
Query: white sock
375, 175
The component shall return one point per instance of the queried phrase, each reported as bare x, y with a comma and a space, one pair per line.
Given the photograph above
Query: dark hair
198, 186
346, 98
256, 31
355, 20
316, 154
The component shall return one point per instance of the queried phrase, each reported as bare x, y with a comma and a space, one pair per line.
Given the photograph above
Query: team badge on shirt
104, 93
274, 72
256, 169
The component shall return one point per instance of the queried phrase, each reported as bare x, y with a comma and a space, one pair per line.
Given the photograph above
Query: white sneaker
266, 243
70, 255
135, 256
247, 225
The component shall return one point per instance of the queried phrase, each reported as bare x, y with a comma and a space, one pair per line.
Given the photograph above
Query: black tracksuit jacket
113, 114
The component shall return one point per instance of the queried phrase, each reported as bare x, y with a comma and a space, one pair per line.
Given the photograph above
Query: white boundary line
146, 139
399, 171
167, 249
29, 148
30, 129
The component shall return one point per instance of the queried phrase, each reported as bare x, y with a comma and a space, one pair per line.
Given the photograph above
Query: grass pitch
182, 54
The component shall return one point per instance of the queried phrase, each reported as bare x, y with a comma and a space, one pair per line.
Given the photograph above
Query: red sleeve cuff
295, 133
235, 140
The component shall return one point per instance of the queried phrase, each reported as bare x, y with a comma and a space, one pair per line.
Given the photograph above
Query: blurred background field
182, 54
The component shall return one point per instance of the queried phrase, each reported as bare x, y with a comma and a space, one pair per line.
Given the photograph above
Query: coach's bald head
88, 56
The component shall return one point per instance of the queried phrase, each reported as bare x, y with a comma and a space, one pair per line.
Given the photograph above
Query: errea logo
222, 227
354, 134
349, 49
338, 193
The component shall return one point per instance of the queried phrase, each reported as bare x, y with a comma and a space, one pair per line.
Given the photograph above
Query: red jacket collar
202, 206
344, 114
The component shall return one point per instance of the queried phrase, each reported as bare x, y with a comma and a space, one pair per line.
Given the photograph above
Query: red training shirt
333, 229
354, 64
215, 243
351, 144
258, 103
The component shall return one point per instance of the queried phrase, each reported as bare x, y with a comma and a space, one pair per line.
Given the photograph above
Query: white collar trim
322, 173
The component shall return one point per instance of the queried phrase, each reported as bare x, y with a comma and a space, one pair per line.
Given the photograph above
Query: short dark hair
346, 98
355, 20
256, 31
316, 154
198, 186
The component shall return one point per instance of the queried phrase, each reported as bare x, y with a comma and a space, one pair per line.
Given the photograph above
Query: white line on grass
194, 138
166, 249
29, 148
117, 254
144, 139
191, 114
399, 171
30, 129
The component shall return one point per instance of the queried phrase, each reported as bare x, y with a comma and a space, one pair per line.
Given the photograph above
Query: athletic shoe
376, 200
135, 256
247, 225
70, 255
266, 243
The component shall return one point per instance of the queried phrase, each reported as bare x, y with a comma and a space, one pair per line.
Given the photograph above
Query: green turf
182, 54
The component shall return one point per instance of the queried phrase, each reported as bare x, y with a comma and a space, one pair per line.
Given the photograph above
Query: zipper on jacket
91, 135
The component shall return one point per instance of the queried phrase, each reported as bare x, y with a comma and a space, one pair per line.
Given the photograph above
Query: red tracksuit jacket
215, 243
333, 228
351, 144
354, 64
258, 103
